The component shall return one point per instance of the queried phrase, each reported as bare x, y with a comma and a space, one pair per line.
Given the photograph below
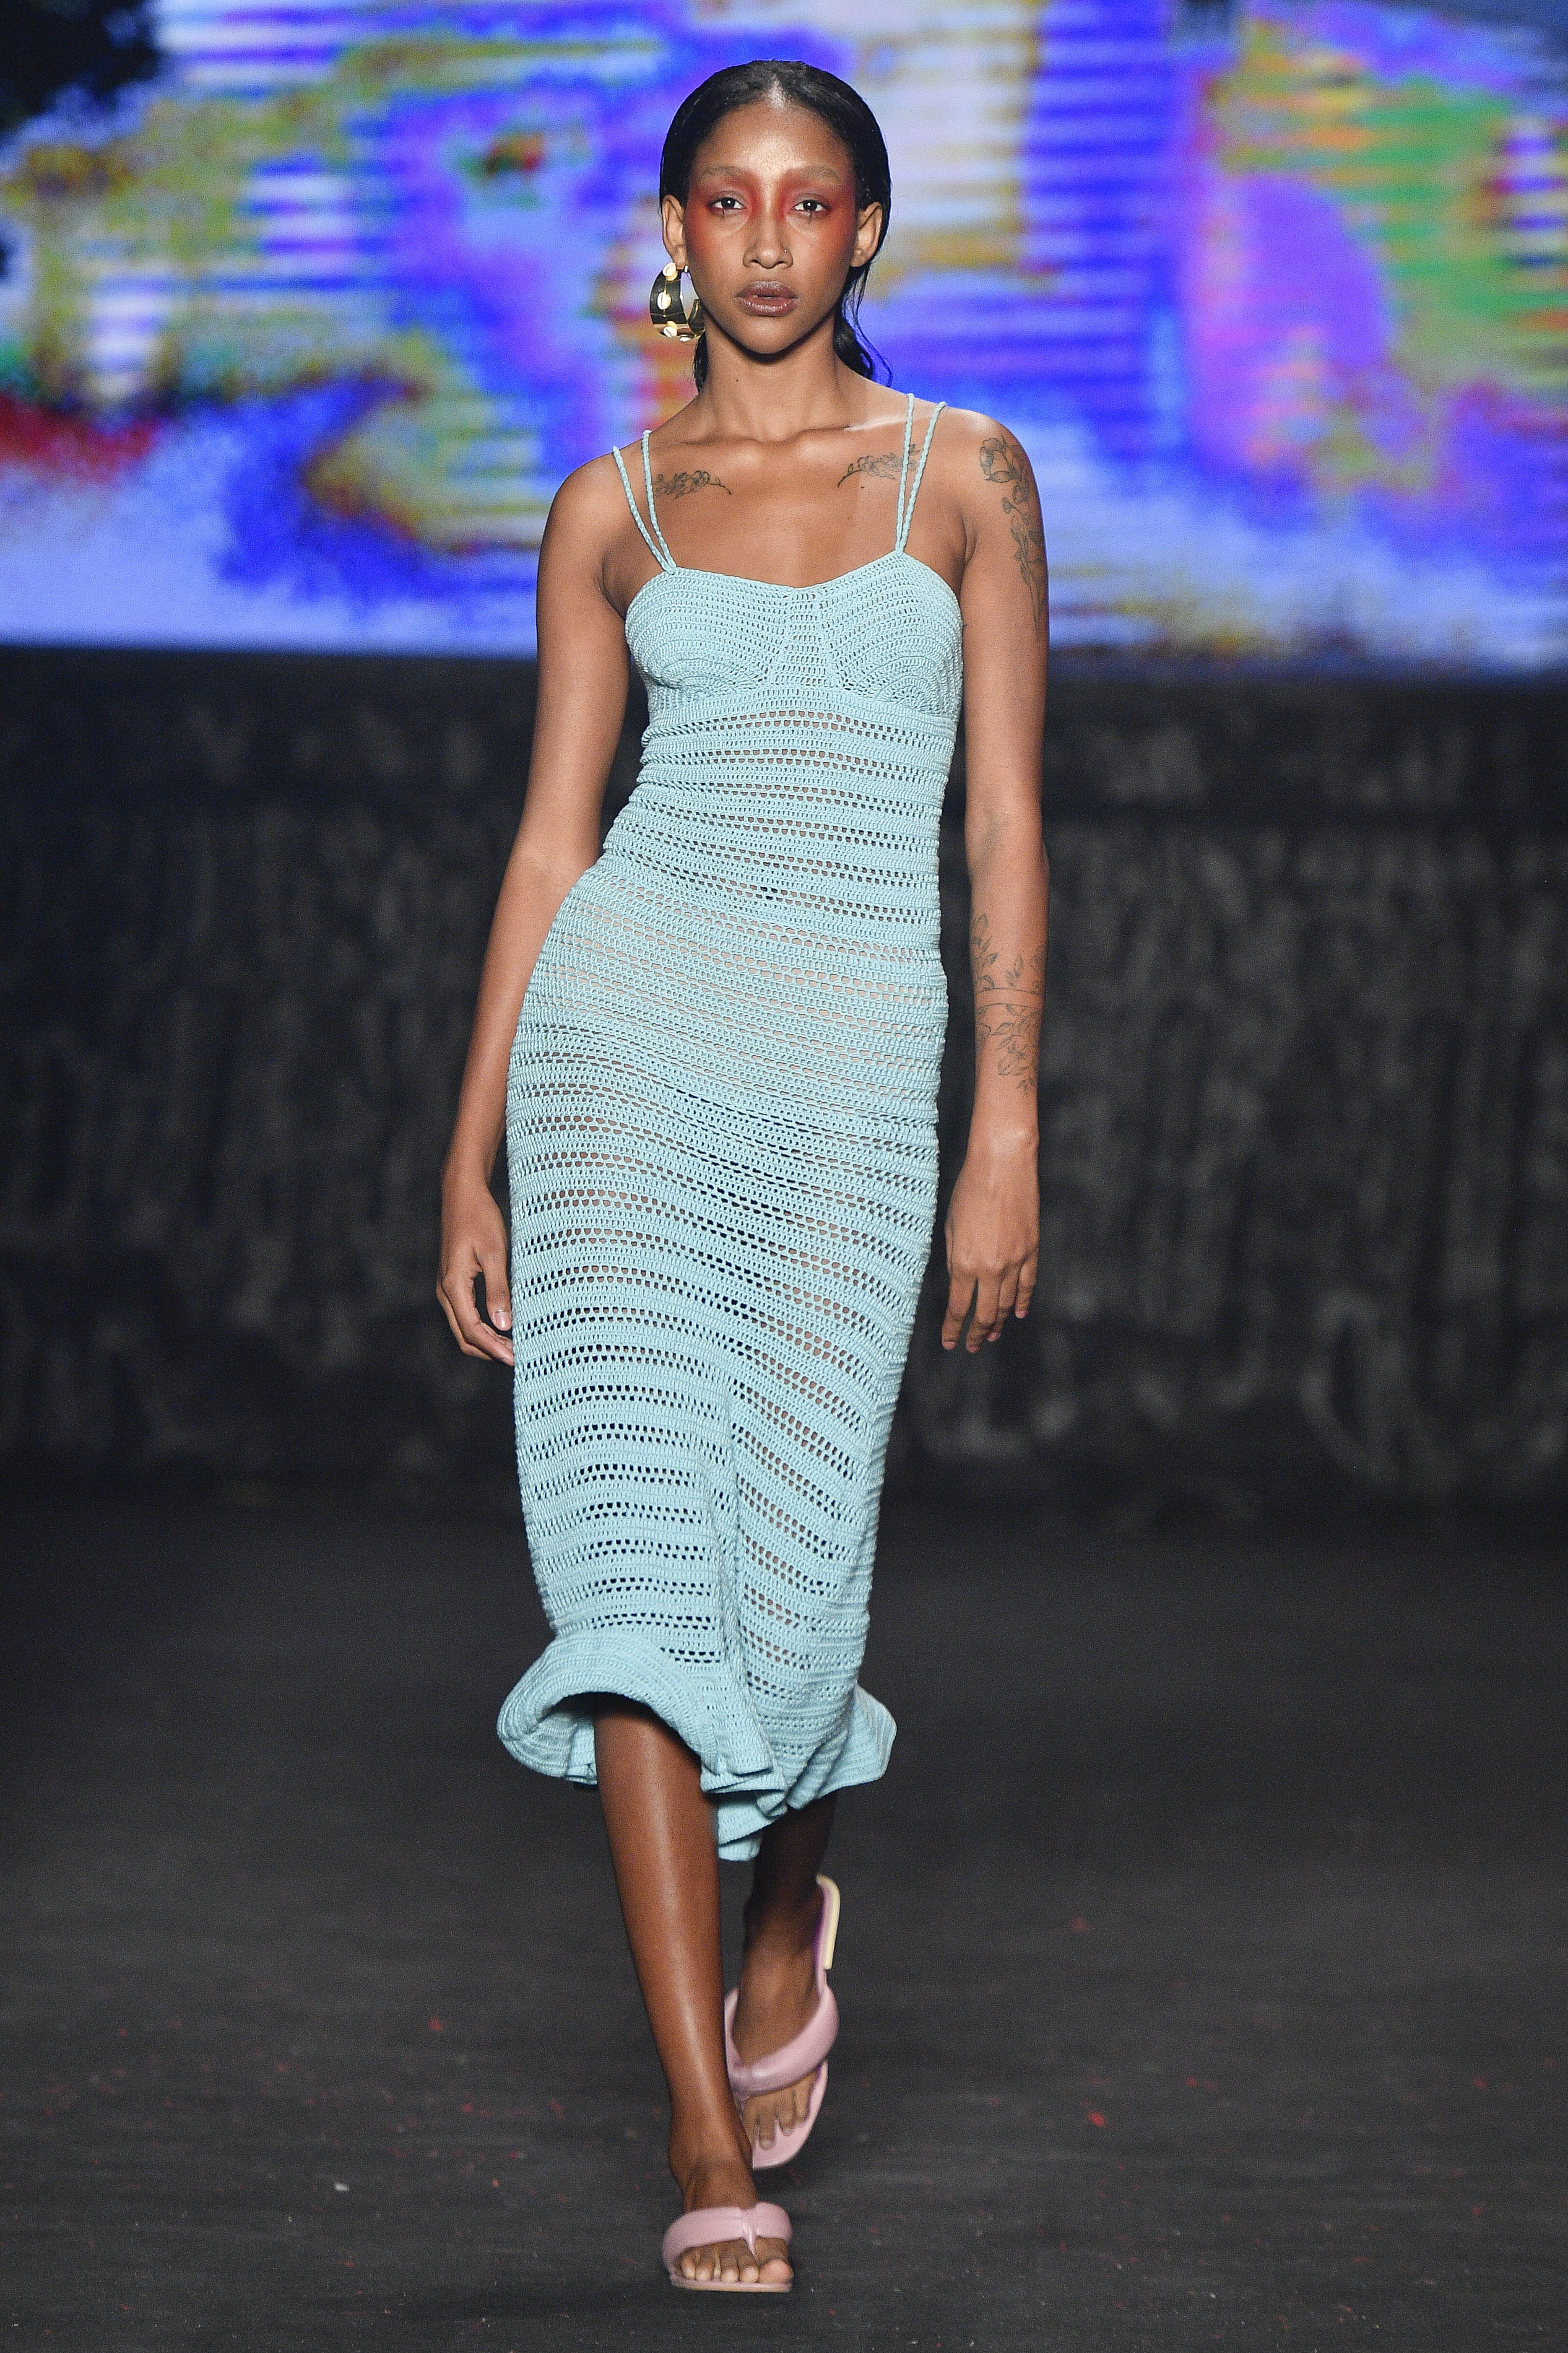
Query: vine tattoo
881, 468
1009, 1000
1002, 462
680, 486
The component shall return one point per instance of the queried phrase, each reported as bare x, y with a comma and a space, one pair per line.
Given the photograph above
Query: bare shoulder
986, 472
982, 457
588, 511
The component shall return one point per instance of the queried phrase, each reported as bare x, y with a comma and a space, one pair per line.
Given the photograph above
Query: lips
768, 301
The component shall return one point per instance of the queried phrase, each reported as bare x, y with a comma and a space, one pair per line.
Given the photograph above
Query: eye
721, 203
811, 204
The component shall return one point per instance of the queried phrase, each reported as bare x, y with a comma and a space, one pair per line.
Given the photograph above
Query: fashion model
714, 1046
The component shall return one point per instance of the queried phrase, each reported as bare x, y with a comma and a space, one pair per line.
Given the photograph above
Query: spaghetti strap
652, 509
904, 473
665, 560
907, 507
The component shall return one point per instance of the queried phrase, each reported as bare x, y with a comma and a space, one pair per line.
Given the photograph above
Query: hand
993, 1239
473, 1243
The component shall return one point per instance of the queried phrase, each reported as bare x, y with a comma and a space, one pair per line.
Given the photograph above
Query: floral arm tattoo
1002, 462
1008, 1002
680, 486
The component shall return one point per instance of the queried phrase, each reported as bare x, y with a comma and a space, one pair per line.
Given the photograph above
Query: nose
769, 247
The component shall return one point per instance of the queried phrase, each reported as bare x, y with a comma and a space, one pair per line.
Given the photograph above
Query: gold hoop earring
681, 322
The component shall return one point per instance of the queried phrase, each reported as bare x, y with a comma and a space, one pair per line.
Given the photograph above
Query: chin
770, 338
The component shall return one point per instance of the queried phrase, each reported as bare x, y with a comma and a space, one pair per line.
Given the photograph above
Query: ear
674, 230
867, 236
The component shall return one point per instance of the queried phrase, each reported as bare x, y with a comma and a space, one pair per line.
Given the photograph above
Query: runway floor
1202, 1965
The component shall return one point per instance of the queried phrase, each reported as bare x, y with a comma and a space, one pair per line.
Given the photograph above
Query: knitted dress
721, 1144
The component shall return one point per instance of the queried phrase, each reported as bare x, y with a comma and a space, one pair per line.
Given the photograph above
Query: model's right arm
582, 703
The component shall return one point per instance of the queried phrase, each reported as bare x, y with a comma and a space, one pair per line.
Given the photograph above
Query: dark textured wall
1305, 1147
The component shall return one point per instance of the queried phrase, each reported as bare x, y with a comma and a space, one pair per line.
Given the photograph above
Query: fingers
474, 1251
980, 1294
994, 1295
497, 1290
960, 1298
456, 1291
984, 1323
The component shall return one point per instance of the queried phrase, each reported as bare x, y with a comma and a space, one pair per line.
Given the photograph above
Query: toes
732, 2260
769, 2113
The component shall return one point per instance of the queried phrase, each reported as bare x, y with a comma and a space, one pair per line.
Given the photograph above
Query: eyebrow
739, 171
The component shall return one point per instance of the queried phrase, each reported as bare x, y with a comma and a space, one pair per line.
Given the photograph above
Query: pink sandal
806, 2052
710, 2226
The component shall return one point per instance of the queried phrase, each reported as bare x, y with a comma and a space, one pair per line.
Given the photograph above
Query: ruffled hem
748, 1785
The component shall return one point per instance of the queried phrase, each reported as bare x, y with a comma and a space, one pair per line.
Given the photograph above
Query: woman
716, 1047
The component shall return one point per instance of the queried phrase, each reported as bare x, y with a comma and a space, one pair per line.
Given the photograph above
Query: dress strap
652, 511
904, 472
907, 505
666, 561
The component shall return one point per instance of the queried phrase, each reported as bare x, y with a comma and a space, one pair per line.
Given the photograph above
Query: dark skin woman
784, 466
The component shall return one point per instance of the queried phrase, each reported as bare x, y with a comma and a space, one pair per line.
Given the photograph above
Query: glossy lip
769, 301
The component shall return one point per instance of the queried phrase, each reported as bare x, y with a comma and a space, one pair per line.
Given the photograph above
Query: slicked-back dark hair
848, 118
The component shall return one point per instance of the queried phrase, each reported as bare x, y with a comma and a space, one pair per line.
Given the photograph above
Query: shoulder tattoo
881, 468
1003, 463
680, 486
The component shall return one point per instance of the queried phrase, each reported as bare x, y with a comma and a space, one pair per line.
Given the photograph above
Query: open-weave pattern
721, 1129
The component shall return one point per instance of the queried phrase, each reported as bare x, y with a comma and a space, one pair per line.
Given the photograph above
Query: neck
807, 389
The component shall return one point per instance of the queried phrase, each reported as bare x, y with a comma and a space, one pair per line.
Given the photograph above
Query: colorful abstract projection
296, 347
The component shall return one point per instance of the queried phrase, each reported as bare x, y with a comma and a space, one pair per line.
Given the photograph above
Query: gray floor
1202, 1965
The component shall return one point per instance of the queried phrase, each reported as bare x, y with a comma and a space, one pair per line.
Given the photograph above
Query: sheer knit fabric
722, 1141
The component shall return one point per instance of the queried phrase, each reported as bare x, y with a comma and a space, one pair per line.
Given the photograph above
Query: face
770, 229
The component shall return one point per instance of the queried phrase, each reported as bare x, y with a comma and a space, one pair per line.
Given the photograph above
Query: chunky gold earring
681, 322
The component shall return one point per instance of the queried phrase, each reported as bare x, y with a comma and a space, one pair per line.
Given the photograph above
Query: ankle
707, 2142
781, 1931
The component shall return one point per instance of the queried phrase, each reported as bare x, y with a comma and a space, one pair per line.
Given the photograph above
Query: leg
778, 1982
667, 1868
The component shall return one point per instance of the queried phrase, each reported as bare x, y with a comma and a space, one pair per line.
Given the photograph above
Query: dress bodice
798, 742
888, 632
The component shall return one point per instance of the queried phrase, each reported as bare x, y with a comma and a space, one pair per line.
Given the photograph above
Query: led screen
296, 340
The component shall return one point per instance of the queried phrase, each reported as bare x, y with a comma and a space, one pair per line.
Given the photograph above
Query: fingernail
503, 1321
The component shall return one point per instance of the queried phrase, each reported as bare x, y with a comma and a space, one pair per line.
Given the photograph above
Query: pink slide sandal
806, 2053
710, 2226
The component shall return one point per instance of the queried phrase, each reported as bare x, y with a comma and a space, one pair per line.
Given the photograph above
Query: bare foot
777, 1999
727, 2181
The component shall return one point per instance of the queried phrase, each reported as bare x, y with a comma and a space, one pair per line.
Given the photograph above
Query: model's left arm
993, 1219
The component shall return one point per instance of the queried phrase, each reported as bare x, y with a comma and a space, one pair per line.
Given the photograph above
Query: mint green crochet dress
722, 1142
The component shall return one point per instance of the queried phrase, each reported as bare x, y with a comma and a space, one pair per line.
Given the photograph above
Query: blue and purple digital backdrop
296, 341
